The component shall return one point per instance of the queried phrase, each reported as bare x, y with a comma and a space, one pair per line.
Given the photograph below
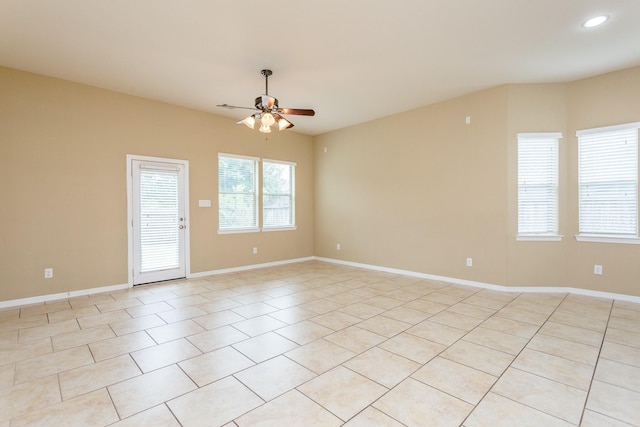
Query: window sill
599, 238
239, 230
290, 228
539, 238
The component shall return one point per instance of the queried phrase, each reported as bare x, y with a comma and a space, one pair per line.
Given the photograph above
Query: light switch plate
204, 203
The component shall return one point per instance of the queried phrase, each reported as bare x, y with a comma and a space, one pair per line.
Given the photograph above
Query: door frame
130, 249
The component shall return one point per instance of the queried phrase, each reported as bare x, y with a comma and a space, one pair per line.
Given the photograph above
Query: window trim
605, 238
539, 237
293, 225
236, 230
279, 228
612, 238
543, 236
612, 128
259, 164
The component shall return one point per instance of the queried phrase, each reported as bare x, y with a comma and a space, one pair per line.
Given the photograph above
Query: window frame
258, 164
292, 196
256, 194
532, 138
609, 237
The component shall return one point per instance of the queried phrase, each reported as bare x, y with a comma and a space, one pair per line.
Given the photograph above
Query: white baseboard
62, 295
247, 267
501, 288
453, 280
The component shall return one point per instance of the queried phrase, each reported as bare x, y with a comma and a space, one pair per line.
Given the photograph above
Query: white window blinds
608, 180
159, 212
278, 204
538, 184
237, 193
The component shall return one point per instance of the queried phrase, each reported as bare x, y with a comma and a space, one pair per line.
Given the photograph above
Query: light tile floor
318, 344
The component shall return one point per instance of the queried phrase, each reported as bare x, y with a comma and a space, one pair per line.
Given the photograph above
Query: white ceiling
351, 61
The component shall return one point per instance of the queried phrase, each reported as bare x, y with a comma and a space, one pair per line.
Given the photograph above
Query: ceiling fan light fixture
283, 123
264, 128
267, 119
249, 121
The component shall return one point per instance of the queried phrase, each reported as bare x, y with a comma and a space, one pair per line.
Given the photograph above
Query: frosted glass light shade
264, 128
249, 121
268, 119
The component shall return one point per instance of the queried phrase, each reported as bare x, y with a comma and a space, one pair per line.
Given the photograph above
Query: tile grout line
512, 361
595, 367
384, 291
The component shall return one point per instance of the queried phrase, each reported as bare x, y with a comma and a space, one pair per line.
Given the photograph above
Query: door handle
182, 227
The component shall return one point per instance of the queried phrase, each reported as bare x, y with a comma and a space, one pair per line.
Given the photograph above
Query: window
608, 182
278, 194
238, 198
237, 193
538, 186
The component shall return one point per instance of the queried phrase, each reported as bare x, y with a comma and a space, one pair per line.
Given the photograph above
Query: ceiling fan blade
231, 107
297, 111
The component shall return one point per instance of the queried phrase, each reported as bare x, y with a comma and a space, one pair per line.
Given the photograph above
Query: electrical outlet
255, 251
48, 273
597, 269
469, 262
338, 246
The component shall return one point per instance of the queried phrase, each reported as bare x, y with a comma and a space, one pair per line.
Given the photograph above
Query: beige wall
63, 150
536, 108
604, 100
418, 191
421, 191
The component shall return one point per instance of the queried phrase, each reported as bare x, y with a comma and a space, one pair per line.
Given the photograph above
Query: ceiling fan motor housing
266, 102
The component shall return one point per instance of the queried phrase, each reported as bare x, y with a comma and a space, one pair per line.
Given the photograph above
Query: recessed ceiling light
595, 21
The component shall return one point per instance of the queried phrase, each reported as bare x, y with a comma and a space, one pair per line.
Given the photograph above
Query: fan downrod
266, 74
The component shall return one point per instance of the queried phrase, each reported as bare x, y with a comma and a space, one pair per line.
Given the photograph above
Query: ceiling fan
268, 112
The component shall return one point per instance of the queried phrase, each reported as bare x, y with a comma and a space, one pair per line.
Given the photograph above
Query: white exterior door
159, 220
